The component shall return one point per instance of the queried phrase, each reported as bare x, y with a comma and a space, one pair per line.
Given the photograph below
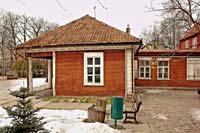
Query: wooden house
191, 39
85, 57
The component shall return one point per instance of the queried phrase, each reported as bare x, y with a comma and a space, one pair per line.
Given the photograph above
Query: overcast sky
119, 13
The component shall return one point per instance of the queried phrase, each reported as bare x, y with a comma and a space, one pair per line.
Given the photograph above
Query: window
194, 43
163, 69
93, 69
193, 69
187, 45
145, 70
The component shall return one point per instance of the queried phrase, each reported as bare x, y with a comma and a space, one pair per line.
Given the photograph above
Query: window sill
163, 79
193, 79
94, 85
145, 78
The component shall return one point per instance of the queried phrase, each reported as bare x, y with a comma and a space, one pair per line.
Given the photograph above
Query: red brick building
171, 68
86, 57
168, 68
191, 39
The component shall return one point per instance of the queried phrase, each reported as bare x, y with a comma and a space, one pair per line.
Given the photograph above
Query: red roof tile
84, 31
195, 30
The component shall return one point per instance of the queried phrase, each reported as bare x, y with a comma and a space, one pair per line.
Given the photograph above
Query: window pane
90, 61
90, 70
147, 63
142, 70
142, 75
160, 75
147, 75
142, 63
89, 79
97, 61
160, 70
165, 75
97, 78
160, 63
166, 70
147, 69
165, 63
97, 70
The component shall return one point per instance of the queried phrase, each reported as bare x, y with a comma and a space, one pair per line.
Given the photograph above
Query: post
115, 123
30, 75
132, 76
49, 74
128, 72
54, 74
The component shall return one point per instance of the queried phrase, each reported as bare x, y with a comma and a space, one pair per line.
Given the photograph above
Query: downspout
132, 62
141, 44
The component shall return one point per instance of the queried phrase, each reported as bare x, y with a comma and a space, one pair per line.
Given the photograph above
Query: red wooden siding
70, 75
177, 76
182, 43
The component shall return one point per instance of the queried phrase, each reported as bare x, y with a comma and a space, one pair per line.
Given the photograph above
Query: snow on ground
4, 120
156, 91
64, 121
160, 116
21, 82
196, 115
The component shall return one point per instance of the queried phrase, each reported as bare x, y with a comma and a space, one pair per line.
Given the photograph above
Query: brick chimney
128, 29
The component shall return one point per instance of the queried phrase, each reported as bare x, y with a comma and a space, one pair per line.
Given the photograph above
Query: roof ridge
193, 31
84, 30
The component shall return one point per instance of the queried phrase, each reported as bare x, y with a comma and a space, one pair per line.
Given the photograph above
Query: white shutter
197, 70
190, 69
193, 69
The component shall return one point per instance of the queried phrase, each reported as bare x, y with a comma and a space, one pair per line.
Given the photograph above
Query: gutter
141, 44
132, 74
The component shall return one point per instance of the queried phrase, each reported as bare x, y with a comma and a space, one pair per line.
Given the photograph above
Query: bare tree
178, 17
16, 29
187, 11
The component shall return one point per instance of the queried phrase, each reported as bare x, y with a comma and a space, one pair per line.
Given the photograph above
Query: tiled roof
195, 30
84, 31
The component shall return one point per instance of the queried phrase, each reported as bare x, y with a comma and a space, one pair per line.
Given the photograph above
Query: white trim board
79, 48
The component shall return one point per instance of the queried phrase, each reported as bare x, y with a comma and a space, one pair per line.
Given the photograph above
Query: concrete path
166, 111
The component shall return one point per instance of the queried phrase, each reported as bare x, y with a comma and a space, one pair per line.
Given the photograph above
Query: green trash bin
117, 109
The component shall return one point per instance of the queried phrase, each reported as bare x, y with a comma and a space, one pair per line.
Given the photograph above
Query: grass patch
119, 127
87, 121
90, 99
83, 99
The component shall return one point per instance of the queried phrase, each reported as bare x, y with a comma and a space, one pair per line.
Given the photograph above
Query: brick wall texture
177, 70
70, 74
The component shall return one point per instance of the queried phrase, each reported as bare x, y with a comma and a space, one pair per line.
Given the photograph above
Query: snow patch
160, 116
196, 115
4, 119
17, 84
64, 121
156, 91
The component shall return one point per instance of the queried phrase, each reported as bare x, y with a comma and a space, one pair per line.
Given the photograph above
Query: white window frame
194, 43
94, 55
145, 59
187, 44
163, 67
194, 69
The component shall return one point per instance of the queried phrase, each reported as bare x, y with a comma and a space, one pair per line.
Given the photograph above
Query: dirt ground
170, 111
166, 111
